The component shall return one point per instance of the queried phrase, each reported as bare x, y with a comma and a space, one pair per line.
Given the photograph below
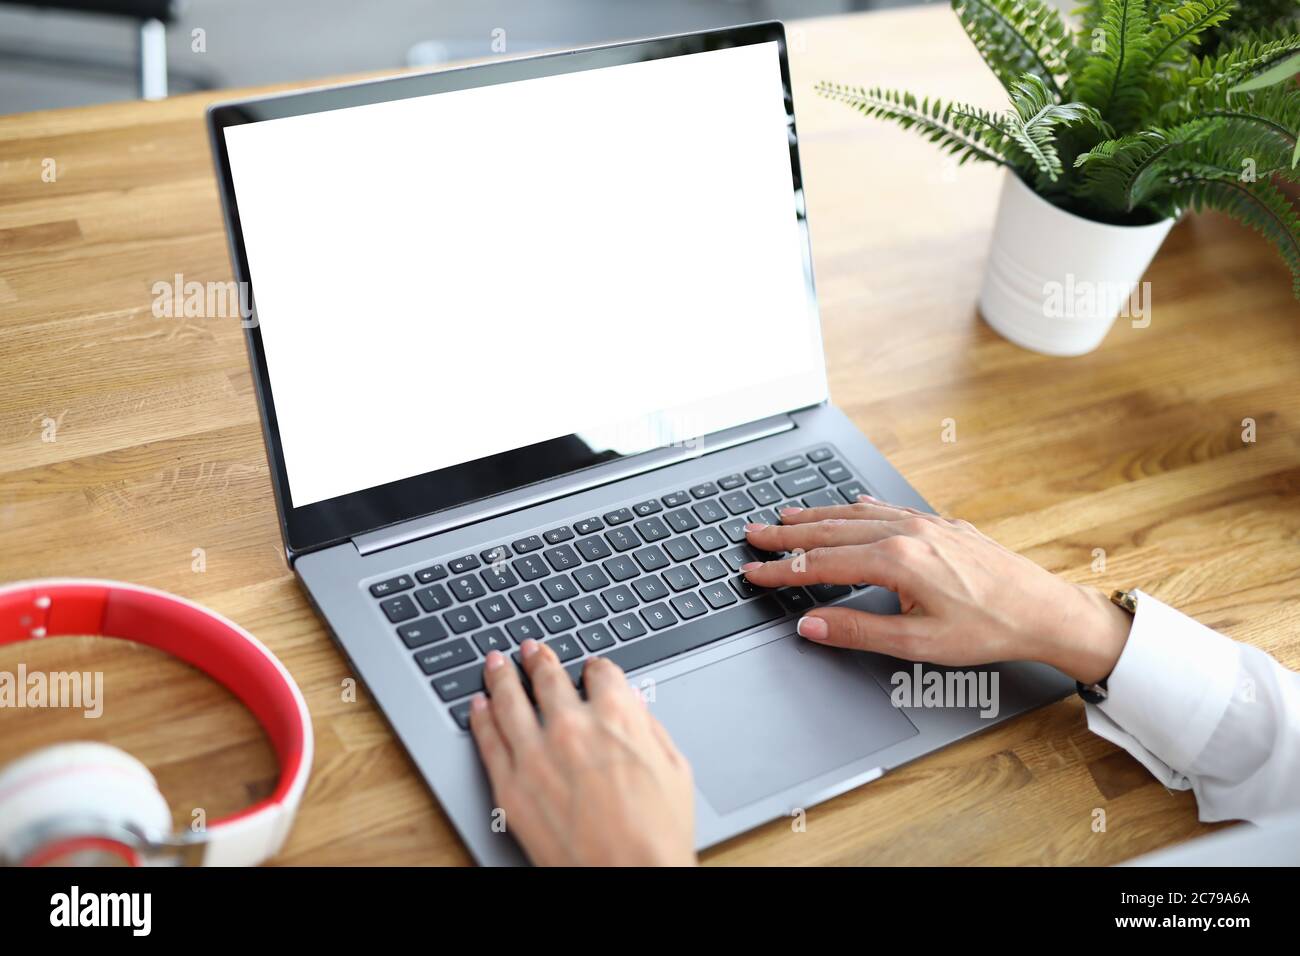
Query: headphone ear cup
74, 782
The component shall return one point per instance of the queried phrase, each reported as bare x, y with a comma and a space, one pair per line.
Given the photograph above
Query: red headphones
91, 802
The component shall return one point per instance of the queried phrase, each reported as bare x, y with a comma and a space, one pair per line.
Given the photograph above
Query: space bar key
696, 633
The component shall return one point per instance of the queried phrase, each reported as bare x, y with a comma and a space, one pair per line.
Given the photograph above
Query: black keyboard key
765, 494
737, 502
621, 568
719, 595
652, 529
710, 539
556, 535
734, 530
462, 619
800, 483
524, 545
461, 565
619, 598
706, 490
627, 627
647, 508
460, 714
622, 539
527, 598
730, 482
742, 586
566, 649
681, 520
689, 606
650, 588
658, 616
591, 578
561, 559
821, 499
621, 516
495, 608
556, 619
795, 600
399, 609
820, 454
525, 629
498, 578
835, 472
459, 684
588, 609
444, 657
694, 634
852, 490
495, 555
680, 578
675, 499
384, 588
492, 639
429, 575
740, 556
560, 588
788, 464
596, 637
709, 568
593, 548
651, 558
761, 473
588, 525
709, 511
822, 593
530, 567
467, 588
433, 598
418, 633
681, 549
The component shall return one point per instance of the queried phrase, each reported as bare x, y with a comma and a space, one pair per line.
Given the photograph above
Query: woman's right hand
965, 599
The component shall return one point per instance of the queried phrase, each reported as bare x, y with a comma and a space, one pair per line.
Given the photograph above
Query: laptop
532, 341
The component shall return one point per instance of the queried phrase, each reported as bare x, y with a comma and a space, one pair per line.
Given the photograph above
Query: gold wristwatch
1097, 693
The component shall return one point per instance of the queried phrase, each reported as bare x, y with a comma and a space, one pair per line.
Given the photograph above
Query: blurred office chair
152, 16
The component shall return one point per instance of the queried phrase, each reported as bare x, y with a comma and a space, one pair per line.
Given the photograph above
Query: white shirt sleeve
1205, 713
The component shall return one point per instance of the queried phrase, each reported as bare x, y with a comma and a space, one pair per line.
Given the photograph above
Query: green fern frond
944, 124
1259, 205
1113, 77
1275, 111
1251, 56
1124, 173
1181, 26
1016, 37
1033, 119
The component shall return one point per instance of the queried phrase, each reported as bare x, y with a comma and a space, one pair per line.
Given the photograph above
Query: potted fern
1115, 129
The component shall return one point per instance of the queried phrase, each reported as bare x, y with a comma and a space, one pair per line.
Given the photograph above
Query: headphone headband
203, 639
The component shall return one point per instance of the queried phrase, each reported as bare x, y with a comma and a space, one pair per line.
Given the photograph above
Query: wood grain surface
1136, 449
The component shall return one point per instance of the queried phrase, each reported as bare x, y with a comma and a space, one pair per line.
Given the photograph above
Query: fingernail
478, 703
791, 511
529, 647
751, 566
754, 527
495, 659
865, 498
813, 628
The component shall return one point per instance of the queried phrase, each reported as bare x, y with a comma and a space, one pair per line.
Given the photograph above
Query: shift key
696, 633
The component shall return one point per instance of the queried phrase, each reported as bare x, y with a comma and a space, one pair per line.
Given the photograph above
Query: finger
860, 510
898, 635
511, 711
831, 533
851, 564
552, 687
604, 681
487, 737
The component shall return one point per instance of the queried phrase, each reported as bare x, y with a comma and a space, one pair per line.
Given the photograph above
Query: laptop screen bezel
320, 524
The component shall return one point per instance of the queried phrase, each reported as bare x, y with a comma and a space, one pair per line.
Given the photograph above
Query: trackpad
768, 719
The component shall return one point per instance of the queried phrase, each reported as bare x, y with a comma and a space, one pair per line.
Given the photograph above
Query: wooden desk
1136, 449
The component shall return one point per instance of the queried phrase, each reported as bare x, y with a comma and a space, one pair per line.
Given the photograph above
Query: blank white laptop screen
612, 253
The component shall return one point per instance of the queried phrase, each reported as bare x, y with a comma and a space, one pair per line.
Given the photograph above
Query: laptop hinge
474, 512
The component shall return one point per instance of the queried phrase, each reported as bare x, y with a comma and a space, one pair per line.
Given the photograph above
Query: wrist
1090, 636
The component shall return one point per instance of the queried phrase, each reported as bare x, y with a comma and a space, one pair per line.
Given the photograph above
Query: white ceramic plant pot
1055, 282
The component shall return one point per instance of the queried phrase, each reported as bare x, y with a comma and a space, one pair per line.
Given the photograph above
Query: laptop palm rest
806, 709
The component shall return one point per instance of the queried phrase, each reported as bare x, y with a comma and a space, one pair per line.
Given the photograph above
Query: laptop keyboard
639, 584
